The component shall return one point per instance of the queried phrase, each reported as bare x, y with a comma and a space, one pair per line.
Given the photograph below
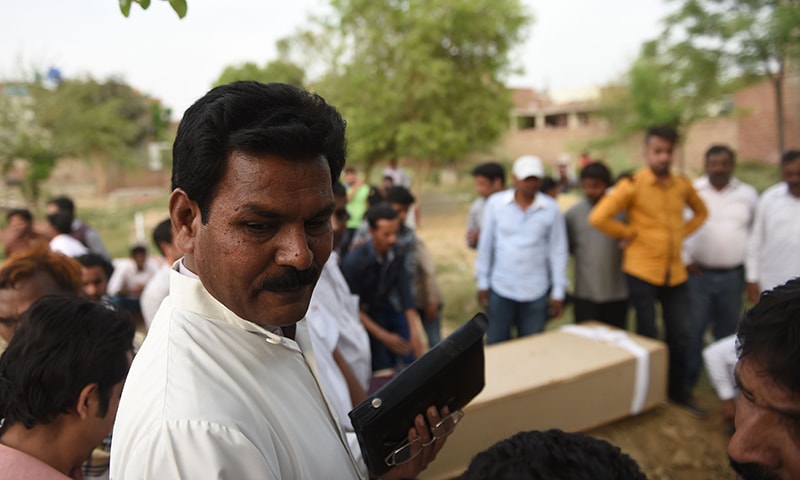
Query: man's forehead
93, 270
754, 379
387, 223
720, 157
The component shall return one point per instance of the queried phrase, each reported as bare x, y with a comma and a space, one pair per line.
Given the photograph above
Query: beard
718, 179
753, 471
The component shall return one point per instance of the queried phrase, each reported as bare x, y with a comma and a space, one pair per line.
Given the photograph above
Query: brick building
557, 130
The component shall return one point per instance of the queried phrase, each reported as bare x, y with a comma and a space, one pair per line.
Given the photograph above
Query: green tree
282, 71
99, 121
661, 88
416, 79
24, 144
721, 43
179, 6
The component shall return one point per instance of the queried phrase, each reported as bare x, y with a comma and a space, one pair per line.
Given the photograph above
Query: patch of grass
116, 222
759, 175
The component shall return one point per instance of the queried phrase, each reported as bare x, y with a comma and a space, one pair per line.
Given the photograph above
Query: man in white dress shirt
715, 255
225, 385
773, 254
158, 287
63, 242
340, 341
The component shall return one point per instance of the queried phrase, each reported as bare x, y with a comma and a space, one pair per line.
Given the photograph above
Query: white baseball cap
528, 166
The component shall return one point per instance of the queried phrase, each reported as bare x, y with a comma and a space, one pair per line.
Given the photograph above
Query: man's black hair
20, 212
61, 221
90, 259
162, 234
770, 334
539, 455
400, 195
717, 149
64, 204
62, 345
138, 249
339, 190
490, 170
381, 211
548, 183
790, 156
665, 132
597, 171
256, 119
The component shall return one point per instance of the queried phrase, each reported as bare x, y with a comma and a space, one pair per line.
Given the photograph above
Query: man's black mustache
752, 471
291, 280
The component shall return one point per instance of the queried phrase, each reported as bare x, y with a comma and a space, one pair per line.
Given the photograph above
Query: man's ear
88, 401
186, 220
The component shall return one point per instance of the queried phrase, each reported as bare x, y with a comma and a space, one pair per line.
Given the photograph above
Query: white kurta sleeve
194, 449
720, 359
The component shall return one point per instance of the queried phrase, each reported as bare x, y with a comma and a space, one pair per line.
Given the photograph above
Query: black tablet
450, 374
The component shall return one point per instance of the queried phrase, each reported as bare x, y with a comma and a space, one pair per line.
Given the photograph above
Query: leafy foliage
275, 71
418, 79
179, 6
100, 121
25, 144
709, 49
742, 40
87, 116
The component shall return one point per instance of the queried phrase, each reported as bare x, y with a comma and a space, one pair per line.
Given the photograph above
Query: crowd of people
654, 237
285, 298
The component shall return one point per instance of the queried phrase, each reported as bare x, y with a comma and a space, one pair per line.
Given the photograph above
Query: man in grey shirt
601, 291
490, 178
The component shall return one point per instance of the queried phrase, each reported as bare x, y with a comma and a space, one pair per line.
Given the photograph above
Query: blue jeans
674, 302
527, 317
433, 328
395, 322
715, 297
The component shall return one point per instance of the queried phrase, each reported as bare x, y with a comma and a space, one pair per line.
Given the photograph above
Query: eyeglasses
408, 451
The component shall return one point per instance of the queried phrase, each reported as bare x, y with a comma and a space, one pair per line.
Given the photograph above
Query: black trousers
612, 313
674, 306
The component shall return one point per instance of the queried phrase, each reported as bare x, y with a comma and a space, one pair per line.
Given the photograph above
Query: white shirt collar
274, 334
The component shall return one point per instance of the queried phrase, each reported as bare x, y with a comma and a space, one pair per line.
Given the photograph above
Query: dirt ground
667, 442
670, 443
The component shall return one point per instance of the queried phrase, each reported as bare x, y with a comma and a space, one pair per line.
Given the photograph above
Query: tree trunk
99, 161
777, 84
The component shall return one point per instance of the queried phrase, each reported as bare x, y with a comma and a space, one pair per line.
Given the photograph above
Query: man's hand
624, 243
472, 238
693, 269
556, 308
431, 312
420, 430
753, 291
395, 343
416, 344
483, 298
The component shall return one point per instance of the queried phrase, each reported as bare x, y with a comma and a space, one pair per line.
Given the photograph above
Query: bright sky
573, 43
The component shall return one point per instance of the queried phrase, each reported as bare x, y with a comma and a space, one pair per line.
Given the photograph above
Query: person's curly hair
769, 333
538, 455
65, 271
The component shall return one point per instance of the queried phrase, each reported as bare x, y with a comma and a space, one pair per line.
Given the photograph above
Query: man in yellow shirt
654, 201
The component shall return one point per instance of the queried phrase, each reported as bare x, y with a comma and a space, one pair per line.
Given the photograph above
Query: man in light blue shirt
522, 256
